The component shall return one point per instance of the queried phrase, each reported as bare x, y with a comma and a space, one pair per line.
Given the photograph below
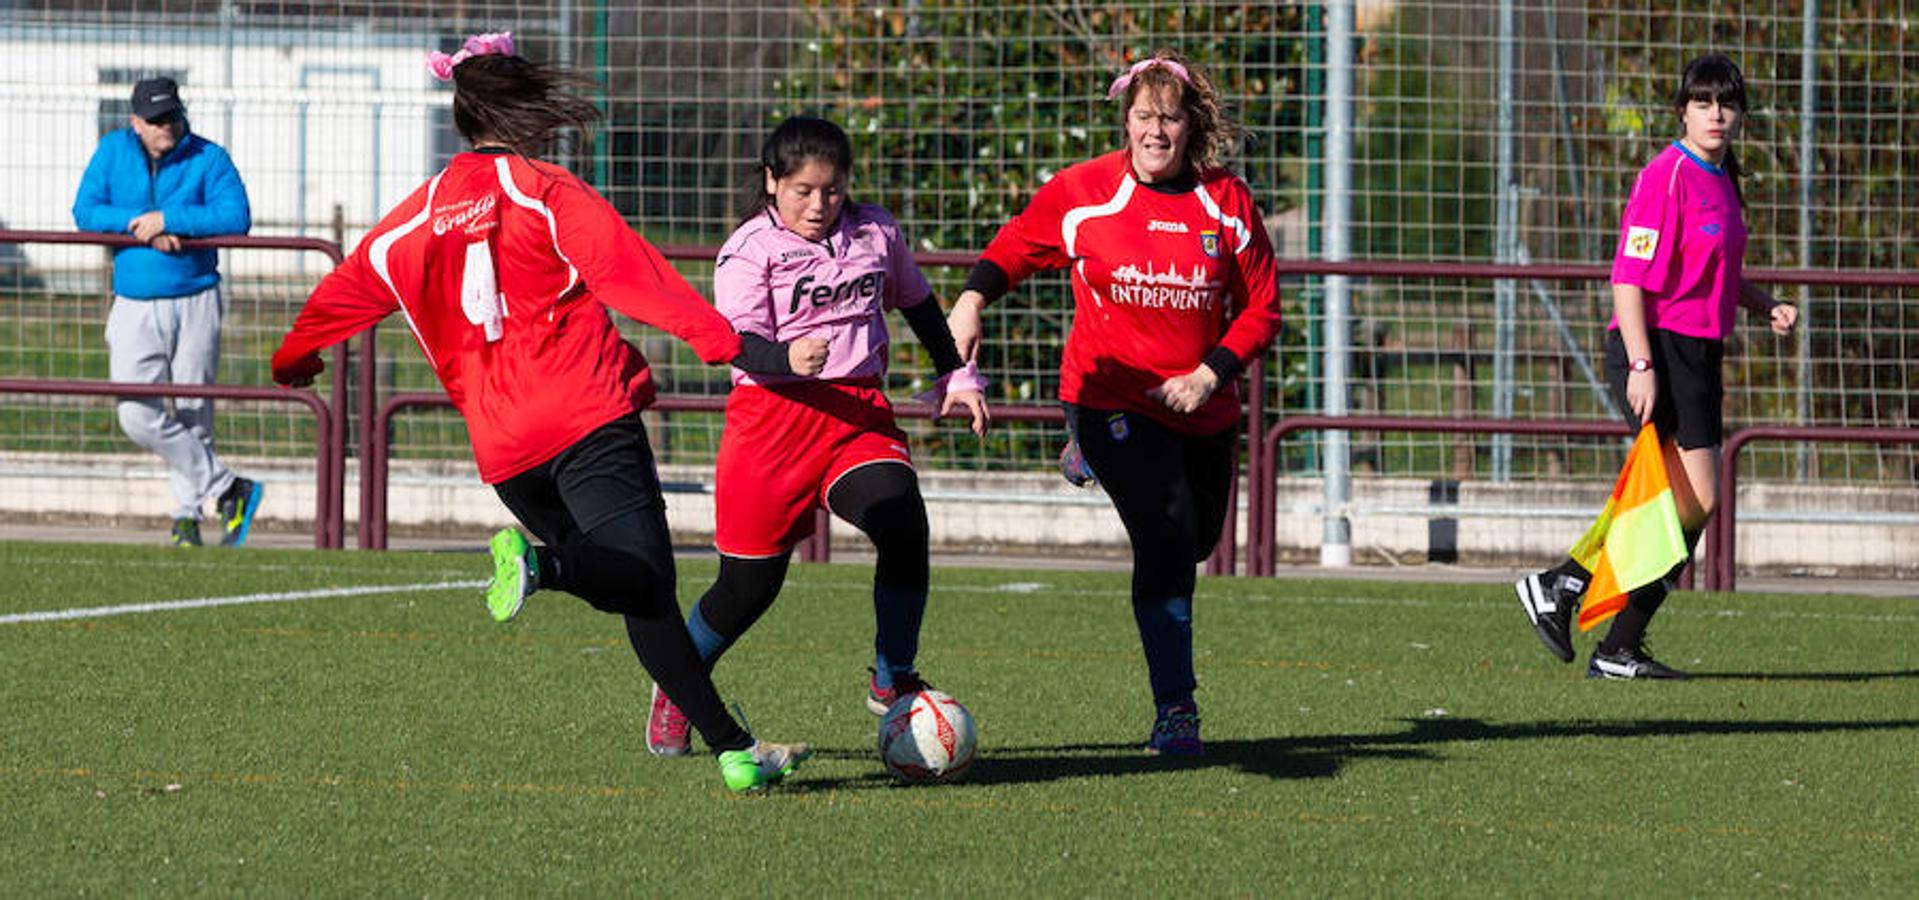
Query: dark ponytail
794, 143
520, 103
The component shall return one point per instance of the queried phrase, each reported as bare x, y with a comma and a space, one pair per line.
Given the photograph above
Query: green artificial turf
1363, 738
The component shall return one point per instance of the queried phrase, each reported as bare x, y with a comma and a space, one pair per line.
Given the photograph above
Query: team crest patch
1641, 242
1209, 243
1117, 425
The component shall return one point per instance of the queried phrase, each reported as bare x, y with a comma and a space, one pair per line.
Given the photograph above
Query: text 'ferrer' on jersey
771, 282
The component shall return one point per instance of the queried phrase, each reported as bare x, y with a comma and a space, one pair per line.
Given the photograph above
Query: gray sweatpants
172, 341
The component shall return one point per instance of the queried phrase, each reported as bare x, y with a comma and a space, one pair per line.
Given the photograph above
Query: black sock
1570, 566
640, 585
1628, 630
548, 565
667, 653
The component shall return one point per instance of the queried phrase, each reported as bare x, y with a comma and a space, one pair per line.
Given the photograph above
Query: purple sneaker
1176, 731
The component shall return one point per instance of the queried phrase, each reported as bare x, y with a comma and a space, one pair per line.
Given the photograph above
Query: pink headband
1120, 83
441, 65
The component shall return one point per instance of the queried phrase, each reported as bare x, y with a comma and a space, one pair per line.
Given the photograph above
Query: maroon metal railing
1261, 551
328, 474
1260, 448
1262, 521
374, 466
331, 462
1724, 530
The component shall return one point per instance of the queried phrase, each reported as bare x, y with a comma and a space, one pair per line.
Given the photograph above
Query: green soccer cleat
515, 575
762, 764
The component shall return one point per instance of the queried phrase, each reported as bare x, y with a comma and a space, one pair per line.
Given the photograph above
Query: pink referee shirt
780, 286
1683, 240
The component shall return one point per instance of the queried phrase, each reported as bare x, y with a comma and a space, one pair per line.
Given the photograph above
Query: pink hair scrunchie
441, 64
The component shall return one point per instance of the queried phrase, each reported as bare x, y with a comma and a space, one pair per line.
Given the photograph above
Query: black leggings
1169, 488
597, 508
880, 499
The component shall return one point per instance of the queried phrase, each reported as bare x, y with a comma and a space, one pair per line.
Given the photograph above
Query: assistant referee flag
1636, 539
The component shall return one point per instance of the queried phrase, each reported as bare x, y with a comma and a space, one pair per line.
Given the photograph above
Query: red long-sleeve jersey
500, 265
1159, 280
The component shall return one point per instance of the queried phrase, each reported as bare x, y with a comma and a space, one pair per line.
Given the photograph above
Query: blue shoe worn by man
237, 507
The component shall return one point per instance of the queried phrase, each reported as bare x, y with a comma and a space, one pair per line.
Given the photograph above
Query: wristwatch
1642, 365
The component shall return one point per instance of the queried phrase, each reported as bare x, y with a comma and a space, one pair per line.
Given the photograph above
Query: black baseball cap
157, 98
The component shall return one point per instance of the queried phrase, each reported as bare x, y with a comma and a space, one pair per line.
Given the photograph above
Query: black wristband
1224, 363
763, 357
989, 280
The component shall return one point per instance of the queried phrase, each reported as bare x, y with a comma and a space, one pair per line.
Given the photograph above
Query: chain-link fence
1481, 131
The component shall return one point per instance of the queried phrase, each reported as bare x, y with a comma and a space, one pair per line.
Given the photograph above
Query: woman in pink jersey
806, 279
1173, 295
503, 266
1677, 284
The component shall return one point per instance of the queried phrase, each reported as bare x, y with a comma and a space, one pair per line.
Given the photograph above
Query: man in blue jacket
159, 182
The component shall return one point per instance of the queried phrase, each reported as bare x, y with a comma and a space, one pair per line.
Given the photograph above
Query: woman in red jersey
503, 266
1173, 295
807, 278
1677, 283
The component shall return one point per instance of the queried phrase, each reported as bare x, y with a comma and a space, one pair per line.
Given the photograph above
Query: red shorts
782, 450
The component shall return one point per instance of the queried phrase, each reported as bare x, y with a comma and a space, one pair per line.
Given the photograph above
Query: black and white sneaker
1550, 599
1630, 663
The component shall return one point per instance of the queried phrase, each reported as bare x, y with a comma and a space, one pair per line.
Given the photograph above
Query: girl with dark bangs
807, 279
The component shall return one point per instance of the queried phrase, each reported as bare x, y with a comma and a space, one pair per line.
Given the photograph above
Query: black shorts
1692, 387
602, 478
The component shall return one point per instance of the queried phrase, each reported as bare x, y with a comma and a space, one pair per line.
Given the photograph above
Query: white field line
95, 612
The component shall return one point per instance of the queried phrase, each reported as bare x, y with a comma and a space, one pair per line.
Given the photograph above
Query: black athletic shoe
1630, 663
1550, 599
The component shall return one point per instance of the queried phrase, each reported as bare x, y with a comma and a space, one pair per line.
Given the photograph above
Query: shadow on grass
1322, 756
1804, 676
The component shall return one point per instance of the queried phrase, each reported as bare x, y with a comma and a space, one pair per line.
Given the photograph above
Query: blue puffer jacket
195, 186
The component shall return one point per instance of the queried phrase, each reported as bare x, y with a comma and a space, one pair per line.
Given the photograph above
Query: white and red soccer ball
927, 737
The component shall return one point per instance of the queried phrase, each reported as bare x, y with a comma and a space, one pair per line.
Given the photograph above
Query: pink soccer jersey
780, 286
1683, 240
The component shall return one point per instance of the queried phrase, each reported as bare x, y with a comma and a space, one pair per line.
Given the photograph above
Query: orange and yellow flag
1636, 539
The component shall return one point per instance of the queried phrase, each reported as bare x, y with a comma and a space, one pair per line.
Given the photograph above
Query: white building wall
348, 122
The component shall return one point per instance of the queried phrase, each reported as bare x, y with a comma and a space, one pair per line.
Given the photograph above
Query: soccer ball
927, 738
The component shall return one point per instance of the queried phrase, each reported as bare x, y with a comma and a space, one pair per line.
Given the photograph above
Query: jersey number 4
480, 296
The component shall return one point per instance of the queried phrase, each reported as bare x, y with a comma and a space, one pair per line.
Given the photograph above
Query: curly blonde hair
1211, 134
